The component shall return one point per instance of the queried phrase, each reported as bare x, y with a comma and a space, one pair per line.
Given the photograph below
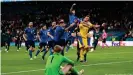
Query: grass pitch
107, 61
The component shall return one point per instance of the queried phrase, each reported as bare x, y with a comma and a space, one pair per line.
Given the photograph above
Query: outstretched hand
74, 4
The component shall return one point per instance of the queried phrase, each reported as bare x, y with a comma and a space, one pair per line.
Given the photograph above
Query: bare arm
72, 7
38, 35
70, 26
24, 36
48, 33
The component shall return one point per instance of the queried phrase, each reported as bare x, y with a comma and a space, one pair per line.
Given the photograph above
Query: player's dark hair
87, 16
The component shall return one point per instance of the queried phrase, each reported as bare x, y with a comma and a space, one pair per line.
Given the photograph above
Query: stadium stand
118, 19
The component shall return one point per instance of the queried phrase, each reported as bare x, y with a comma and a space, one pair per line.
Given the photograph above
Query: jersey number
52, 59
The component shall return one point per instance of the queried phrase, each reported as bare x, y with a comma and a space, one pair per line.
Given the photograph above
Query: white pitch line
75, 66
118, 53
22, 71
107, 63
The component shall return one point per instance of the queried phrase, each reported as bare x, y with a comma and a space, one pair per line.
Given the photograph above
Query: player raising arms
72, 18
84, 26
54, 62
29, 37
42, 35
50, 34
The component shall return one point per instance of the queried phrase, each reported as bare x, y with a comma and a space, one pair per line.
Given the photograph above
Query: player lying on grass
54, 62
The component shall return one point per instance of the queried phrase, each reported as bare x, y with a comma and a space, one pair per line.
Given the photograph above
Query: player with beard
29, 38
84, 26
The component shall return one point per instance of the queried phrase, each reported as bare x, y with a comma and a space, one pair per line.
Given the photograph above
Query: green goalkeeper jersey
54, 62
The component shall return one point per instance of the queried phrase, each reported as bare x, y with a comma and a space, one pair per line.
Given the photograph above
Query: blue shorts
42, 45
61, 42
51, 44
31, 43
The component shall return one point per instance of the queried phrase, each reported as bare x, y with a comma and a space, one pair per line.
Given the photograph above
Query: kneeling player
53, 65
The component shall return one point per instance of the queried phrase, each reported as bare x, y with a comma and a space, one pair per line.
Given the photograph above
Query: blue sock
44, 53
43, 50
30, 53
38, 51
51, 51
67, 48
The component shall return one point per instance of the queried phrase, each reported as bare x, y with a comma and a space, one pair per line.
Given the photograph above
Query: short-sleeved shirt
66, 35
59, 31
54, 62
104, 35
84, 30
30, 32
73, 28
96, 35
72, 17
43, 36
51, 31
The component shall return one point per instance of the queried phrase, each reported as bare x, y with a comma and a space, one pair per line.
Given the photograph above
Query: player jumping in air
42, 35
72, 17
72, 32
29, 37
54, 62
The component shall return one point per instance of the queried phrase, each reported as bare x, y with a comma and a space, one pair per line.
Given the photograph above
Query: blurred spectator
16, 15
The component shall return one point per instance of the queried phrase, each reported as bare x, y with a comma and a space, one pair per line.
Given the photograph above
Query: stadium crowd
56, 25
16, 15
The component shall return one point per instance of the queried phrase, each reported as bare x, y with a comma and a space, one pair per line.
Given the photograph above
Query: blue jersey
72, 17
43, 36
30, 32
66, 36
73, 28
51, 31
59, 31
